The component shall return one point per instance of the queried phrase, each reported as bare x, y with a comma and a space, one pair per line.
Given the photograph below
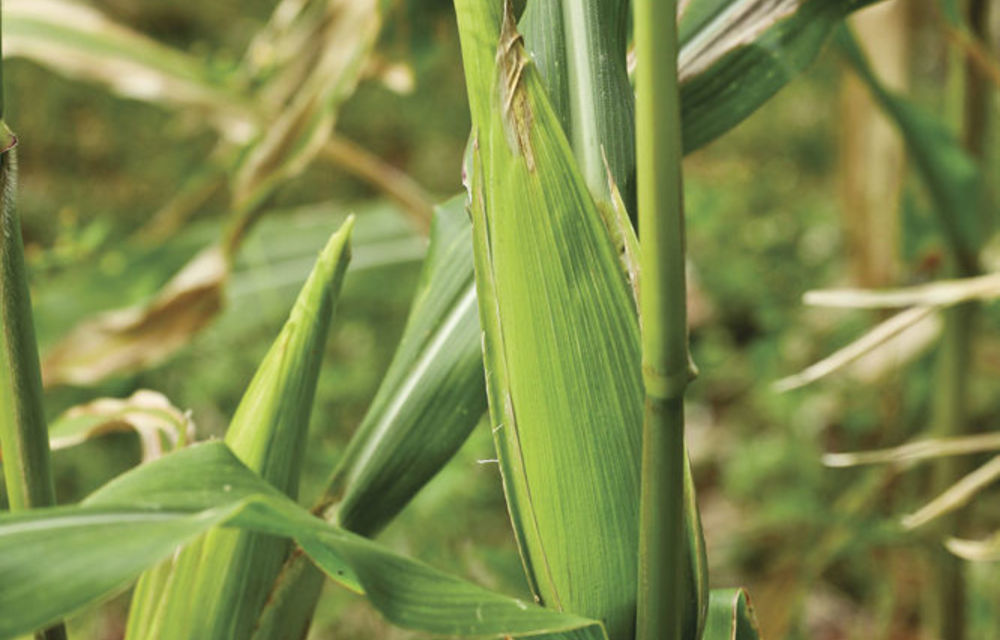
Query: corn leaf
730, 616
427, 404
561, 339
736, 54
133, 338
579, 48
985, 550
159, 424
917, 451
219, 584
940, 293
338, 36
56, 561
430, 398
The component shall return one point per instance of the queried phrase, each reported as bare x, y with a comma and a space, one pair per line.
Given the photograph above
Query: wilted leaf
941, 293
987, 550
80, 42
338, 36
157, 422
920, 450
131, 339
865, 345
956, 496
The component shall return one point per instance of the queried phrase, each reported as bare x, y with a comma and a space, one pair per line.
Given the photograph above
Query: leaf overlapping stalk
561, 342
96, 548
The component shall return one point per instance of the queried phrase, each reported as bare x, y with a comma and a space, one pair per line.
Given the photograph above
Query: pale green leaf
736, 54
561, 339
65, 558
218, 585
730, 616
427, 404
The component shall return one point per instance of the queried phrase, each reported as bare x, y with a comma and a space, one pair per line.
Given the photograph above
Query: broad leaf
736, 54
427, 404
560, 339
56, 561
430, 398
217, 586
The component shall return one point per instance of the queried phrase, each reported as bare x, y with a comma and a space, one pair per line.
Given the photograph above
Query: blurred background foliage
772, 213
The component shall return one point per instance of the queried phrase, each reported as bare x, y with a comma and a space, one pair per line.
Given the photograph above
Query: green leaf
561, 339
427, 404
62, 559
23, 432
579, 48
952, 176
430, 398
218, 585
736, 54
730, 616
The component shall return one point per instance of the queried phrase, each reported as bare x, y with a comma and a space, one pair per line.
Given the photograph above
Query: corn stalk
24, 439
663, 317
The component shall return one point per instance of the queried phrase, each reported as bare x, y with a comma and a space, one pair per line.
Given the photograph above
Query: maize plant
538, 304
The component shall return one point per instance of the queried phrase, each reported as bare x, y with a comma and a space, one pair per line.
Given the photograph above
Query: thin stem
23, 433
951, 410
24, 437
663, 317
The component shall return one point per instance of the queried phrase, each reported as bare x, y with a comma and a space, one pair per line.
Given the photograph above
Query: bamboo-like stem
663, 318
951, 412
24, 437
23, 433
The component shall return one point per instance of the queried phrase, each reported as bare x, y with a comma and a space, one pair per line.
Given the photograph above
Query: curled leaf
160, 425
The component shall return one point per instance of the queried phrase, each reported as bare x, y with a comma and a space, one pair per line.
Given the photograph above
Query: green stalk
24, 438
663, 319
23, 432
951, 411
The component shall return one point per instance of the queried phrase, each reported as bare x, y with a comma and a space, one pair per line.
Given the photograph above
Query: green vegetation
590, 424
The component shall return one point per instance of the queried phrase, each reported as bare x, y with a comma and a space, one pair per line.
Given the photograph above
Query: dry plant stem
663, 319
